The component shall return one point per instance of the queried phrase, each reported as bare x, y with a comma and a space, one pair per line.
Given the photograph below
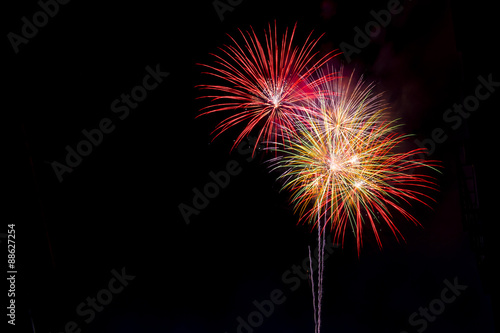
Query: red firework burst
264, 84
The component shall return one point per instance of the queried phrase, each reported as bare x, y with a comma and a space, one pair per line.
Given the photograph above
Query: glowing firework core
276, 101
334, 164
359, 183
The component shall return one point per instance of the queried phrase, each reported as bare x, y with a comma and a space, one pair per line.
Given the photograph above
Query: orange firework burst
263, 83
342, 165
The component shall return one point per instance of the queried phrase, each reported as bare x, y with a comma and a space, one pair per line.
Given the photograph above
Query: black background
120, 206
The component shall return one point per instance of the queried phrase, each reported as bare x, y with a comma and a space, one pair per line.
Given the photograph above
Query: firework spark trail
311, 277
321, 265
317, 290
264, 84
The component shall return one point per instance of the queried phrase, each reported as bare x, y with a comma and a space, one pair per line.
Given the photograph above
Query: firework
338, 151
343, 164
264, 84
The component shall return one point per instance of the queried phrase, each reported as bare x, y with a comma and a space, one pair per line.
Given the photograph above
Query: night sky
105, 247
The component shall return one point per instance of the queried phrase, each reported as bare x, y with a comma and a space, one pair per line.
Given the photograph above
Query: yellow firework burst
344, 166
